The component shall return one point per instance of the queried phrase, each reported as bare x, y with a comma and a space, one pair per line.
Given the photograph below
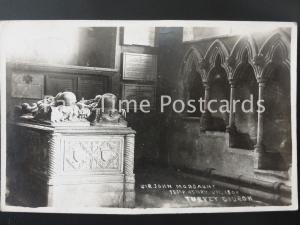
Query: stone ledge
273, 192
273, 175
240, 151
191, 119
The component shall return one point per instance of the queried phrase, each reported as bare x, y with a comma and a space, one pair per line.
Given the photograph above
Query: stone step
273, 176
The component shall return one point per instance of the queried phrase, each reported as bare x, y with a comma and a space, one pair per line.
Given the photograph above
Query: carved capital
232, 83
206, 85
261, 82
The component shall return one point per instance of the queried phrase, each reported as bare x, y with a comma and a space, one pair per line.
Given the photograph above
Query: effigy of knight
64, 107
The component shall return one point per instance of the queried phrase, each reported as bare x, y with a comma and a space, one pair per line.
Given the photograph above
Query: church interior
166, 159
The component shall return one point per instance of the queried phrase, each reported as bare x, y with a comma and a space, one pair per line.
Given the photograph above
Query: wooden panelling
59, 83
90, 86
32, 85
139, 92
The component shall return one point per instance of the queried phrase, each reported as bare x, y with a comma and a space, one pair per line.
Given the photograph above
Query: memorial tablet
139, 67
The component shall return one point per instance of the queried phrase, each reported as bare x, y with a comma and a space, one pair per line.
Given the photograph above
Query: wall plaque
139, 66
139, 92
27, 85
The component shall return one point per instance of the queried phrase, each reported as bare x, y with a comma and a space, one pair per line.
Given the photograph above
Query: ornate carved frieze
96, 155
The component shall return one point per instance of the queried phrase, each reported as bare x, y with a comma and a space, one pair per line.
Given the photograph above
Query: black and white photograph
148, 117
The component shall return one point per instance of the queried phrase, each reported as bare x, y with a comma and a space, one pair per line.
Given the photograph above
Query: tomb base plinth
72, 166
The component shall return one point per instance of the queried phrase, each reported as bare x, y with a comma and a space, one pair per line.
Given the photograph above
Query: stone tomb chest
72, 163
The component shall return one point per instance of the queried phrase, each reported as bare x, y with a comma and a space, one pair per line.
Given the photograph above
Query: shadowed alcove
277, 124
192, 87
196, 89
246, 118
220, 91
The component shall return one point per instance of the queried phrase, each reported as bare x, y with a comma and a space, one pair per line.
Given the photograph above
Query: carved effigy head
109, 102
66, 98
107, 112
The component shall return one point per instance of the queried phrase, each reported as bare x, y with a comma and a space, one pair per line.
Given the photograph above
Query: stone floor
162, 187
158, 187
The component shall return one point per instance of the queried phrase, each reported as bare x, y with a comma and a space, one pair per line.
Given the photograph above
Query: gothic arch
215, 50
277, 39
276, 52
243, 52
190, 64
192, 56
244, 64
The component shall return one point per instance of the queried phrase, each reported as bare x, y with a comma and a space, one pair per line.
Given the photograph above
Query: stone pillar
129, 179
54, 141
231, 128
205, 117
259, 147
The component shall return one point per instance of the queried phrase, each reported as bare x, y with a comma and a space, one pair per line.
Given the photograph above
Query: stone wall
190, 146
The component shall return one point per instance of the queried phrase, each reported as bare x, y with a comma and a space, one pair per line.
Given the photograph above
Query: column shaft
129, 180
204, 123
259, 156
231, 125
206, 97
260, 125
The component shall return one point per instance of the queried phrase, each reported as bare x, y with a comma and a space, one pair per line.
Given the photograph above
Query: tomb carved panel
93, 155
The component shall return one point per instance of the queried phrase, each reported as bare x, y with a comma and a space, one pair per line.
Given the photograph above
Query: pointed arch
276, 52
192, 56
243, 52
245, 42
216, 50
277, 40
190, 63
245, 63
